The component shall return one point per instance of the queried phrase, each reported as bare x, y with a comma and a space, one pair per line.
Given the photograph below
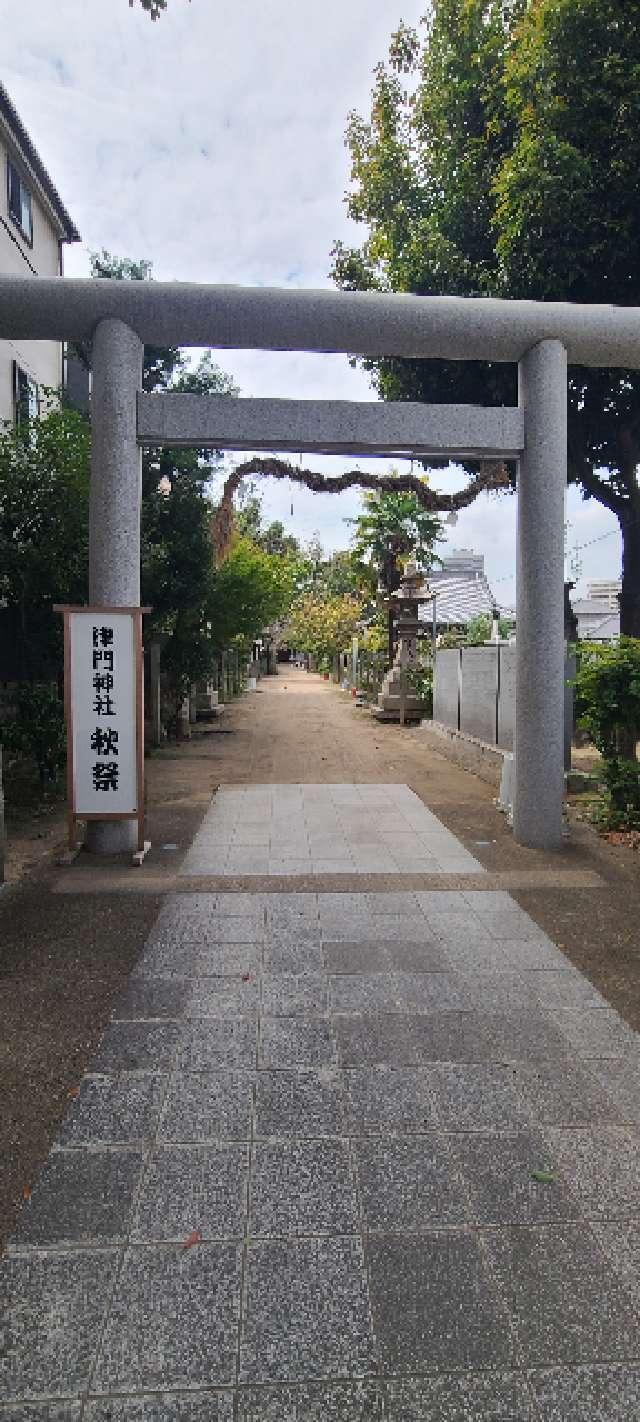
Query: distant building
607, 591
598, 618
461, 588
34, 225
462, 563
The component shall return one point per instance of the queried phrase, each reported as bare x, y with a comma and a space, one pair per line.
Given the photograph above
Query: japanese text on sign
103, 707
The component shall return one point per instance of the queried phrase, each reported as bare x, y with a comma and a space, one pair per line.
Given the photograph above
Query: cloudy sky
211, 143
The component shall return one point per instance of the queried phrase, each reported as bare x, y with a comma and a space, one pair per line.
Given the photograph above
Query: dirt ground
69, 936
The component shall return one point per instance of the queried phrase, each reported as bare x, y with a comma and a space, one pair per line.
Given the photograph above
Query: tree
322, 625
44, 518
570, 179
342, 575
153, 7
479, 629
608, 706
251, 590
248, 520
391, 527
501, 158
177, 572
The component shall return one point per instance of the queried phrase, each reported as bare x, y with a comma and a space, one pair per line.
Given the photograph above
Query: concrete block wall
479, 687
475, 693
446, 687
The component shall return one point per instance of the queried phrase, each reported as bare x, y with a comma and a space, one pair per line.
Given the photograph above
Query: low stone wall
482, 759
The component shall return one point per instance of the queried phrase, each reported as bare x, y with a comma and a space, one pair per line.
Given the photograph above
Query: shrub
38, 732
608, 707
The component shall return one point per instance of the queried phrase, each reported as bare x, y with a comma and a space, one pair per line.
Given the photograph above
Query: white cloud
211, 143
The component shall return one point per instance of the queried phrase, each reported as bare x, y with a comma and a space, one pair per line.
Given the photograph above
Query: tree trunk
630, 604
630, 593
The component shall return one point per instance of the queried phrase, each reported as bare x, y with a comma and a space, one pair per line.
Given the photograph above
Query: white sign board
102, 656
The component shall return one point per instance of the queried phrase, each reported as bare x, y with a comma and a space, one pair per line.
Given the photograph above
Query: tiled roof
459, 599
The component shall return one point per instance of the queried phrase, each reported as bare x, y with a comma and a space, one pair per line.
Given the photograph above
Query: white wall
41, 359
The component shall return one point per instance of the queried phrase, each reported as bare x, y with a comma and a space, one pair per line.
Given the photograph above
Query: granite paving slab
461, 1397
435, 1303
619, 1079
312, 1402
207, 1105
302, 1187
373, 956
306, 1312
225, 997
568, 1305
52, 1308
513, 1179
42, 1412
606, 1393
138, 1046
295, 1042
156, 999
381, 1100
407, 1185
114, 1110
316, 827
163, 1407
219, 1042
300, 1103
187, 1188
287, 994
82, 1197
173, 1320
602, 1168
341, 1156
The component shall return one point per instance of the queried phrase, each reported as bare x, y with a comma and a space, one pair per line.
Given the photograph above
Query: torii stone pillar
542, 477
114, 506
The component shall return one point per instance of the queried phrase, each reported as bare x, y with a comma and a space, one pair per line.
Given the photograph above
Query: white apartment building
34, 225
606, 591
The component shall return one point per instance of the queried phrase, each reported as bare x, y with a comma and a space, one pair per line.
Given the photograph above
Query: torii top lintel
361, 323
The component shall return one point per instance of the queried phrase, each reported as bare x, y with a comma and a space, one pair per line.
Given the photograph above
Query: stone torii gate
118, 317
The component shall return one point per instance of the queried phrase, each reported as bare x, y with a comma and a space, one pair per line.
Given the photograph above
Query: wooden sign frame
136, 614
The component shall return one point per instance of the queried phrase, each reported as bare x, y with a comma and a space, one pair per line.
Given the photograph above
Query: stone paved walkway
342, 1156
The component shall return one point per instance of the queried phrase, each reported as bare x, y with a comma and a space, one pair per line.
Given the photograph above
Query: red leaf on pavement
26, 1192
194, 1238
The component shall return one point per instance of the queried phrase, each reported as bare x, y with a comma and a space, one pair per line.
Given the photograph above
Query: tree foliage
322, 625
177, 569
390, 529
272, 537
608, 706
154, 8
479, 629
252, 589
38, 732
44, 518
501, 158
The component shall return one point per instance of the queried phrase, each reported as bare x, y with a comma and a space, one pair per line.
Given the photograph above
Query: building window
20, 208
25, 395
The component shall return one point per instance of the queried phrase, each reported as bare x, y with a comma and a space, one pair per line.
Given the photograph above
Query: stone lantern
397, 699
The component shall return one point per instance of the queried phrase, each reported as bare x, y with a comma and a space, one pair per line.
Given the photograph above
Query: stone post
114, 506
539, 733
